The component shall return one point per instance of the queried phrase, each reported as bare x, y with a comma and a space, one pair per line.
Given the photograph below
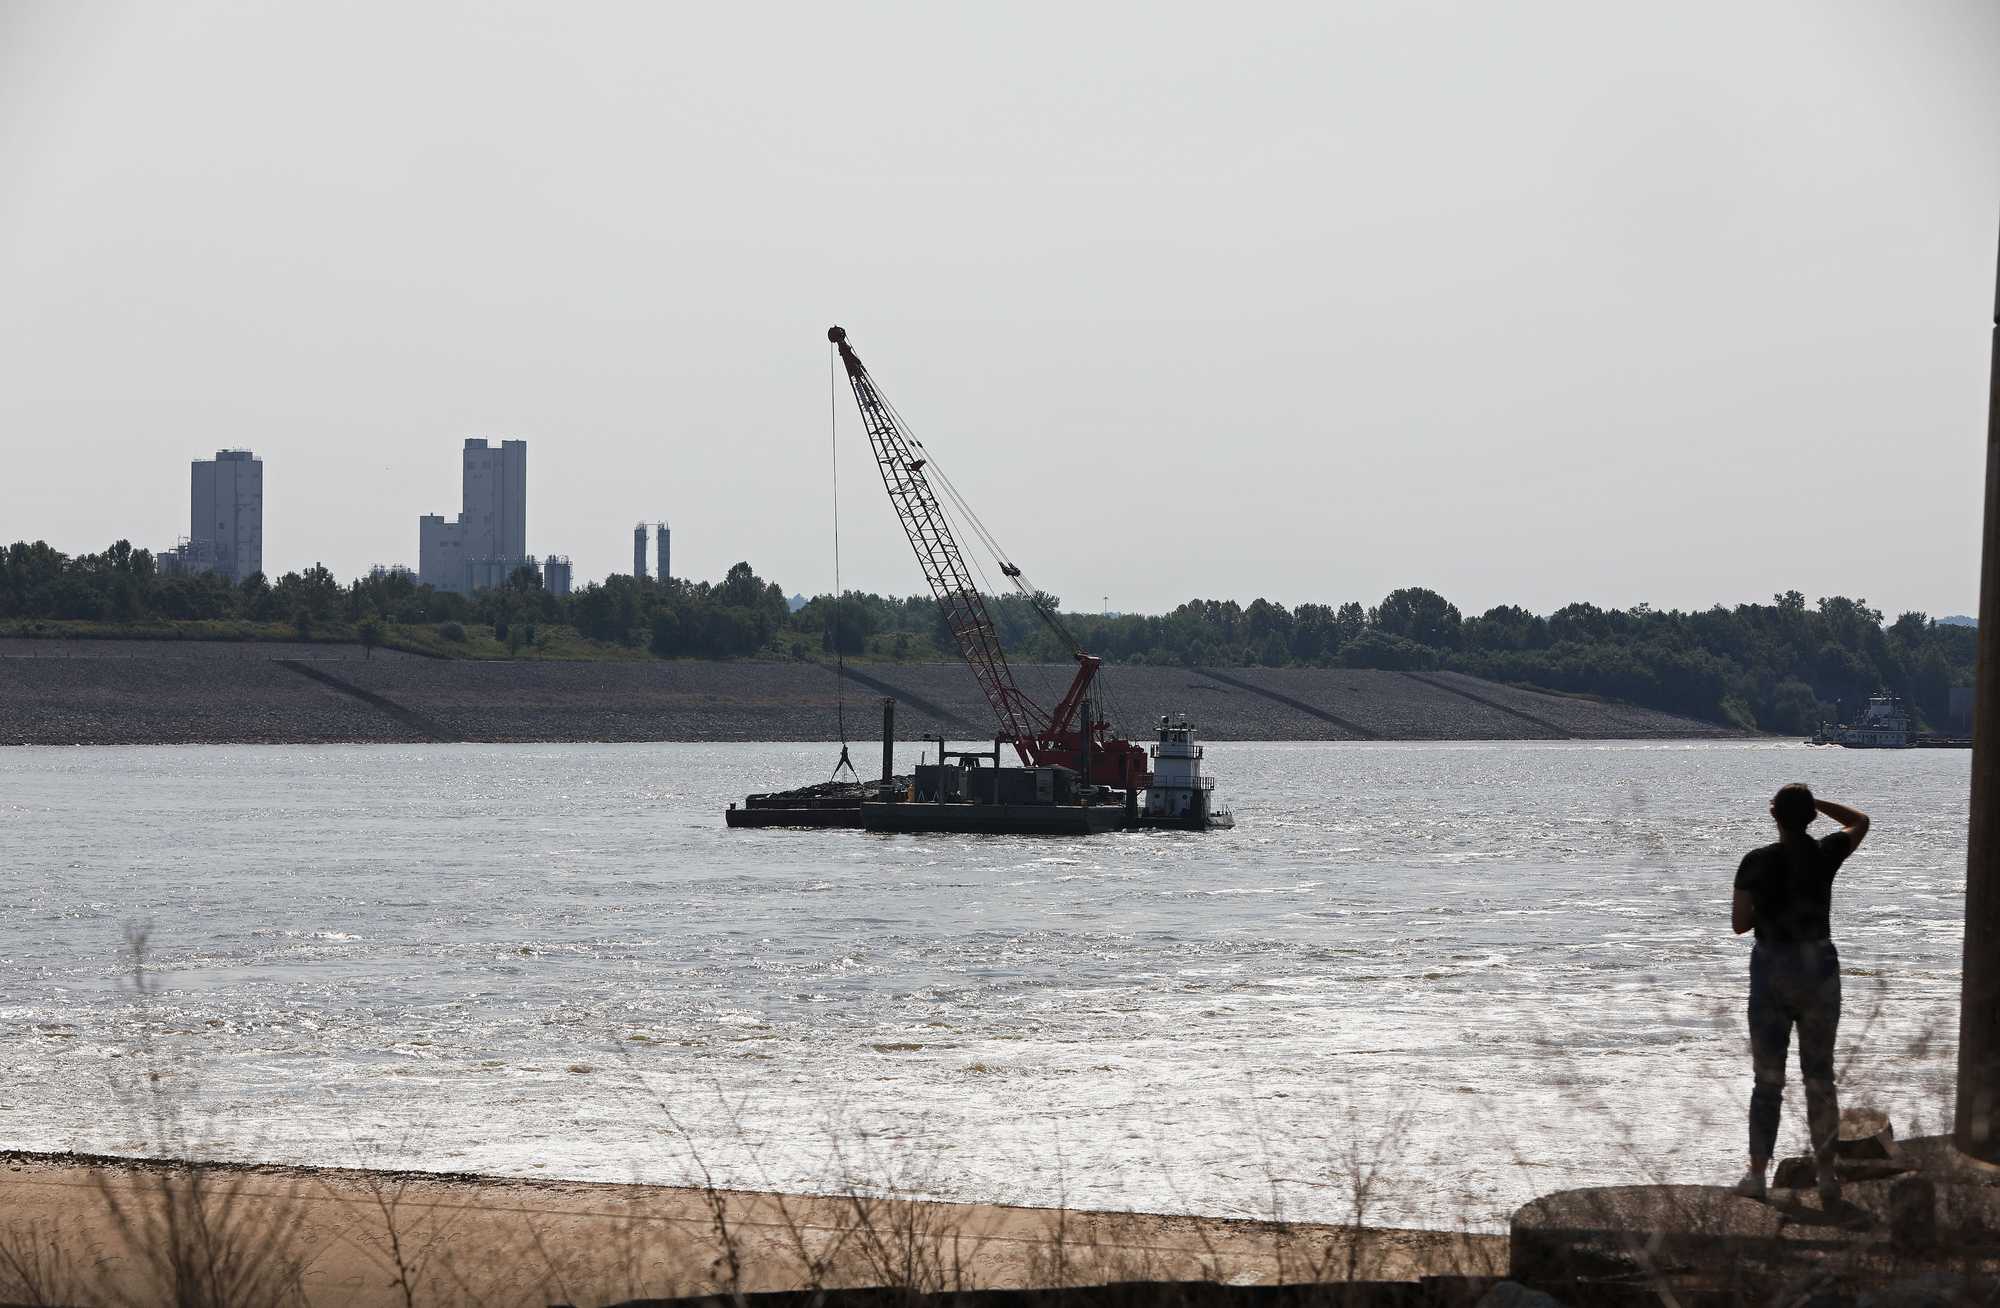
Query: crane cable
967, 518
839, 660
985, 536
980, 530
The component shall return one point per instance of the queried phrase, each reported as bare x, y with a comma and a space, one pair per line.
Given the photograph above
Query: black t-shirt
1790, 885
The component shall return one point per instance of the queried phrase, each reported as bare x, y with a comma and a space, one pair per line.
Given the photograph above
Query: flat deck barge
830, 804
994, 819
970, 793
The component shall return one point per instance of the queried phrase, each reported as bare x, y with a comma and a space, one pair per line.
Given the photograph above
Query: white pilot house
1179, 794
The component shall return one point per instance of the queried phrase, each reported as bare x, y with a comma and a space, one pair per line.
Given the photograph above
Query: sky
1529, 303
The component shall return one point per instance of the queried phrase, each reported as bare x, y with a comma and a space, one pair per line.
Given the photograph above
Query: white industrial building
225, 516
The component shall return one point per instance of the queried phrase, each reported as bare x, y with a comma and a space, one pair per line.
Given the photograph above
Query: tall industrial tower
494, 500
663, 542
489, 539
226, 512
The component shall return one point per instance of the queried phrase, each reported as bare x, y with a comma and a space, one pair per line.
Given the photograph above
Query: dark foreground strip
945, 715
1428, 1292
1299, 704
430, 728
1495, 705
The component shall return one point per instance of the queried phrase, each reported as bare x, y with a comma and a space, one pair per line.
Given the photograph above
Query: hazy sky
1530, 302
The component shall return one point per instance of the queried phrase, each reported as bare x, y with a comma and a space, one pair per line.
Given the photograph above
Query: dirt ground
85, 1230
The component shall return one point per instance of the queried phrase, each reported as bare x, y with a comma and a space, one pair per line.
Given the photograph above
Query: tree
844, 627
666, 641
255, 599
1314, 632
1506, 626
1794, 708
1579, 623
1263, 620
1419, 615
1931, 685
1911, 627
740, 589
1349, 621
313, 590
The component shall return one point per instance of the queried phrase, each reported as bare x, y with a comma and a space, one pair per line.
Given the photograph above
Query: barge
829, 804
1077, 775
970, 792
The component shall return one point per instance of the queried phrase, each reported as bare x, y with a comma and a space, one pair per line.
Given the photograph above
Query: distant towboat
1885, 725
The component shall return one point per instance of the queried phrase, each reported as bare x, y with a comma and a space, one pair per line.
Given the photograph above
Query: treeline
740, 615
1782, 666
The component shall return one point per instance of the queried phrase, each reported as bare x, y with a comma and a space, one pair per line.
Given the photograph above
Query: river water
1465, 974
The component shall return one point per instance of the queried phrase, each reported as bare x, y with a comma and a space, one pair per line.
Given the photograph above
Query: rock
1512, 1294
1913, 1224
1635, 1230
1937, 1290
1865, 1133
1800, 1173
1864, 1151
1864, 1169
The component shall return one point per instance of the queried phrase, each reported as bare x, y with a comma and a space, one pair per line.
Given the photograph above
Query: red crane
1040, 738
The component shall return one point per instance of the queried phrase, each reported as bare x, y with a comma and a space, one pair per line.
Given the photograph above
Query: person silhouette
1784, 892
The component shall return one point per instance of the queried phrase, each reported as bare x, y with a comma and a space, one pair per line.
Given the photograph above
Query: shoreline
186, 693
362, 1236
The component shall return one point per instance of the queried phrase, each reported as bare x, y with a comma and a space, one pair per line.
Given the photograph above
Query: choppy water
1477, 972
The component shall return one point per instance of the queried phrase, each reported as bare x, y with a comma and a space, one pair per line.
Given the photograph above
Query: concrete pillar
1978, 1124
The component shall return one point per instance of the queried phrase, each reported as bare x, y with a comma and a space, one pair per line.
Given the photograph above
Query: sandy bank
359, 1237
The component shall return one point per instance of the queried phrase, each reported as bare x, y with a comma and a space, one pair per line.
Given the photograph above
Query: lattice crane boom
941, 559
1038, 737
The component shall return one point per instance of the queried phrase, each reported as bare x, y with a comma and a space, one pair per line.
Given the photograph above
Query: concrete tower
639, 550
663, 540
495, 500
489, 538
226, 512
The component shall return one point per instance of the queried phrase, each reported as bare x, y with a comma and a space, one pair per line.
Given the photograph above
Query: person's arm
1742, 906
1853, 822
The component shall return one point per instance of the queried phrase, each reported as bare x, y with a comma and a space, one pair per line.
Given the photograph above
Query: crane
1040, 738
